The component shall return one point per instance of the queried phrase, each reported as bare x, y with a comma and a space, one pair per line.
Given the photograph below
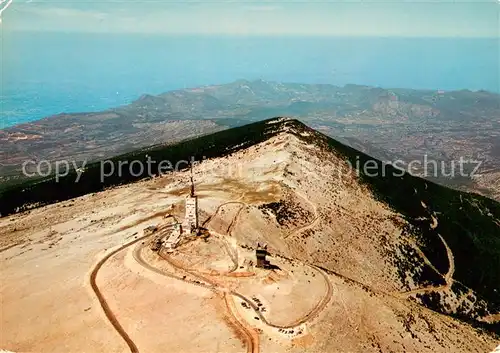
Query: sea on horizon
44, 74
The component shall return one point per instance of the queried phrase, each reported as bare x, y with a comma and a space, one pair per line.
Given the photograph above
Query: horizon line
4, 31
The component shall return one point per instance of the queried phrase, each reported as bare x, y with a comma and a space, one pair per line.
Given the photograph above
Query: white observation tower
191, 218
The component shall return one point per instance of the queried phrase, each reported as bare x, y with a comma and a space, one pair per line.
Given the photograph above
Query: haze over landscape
74, 57
258, 176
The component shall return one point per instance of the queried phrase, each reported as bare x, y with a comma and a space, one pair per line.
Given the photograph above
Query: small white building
173, 238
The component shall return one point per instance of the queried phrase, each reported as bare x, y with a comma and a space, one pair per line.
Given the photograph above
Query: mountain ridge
434, 217
384, 261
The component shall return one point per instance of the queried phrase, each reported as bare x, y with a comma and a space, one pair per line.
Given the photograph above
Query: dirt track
251, 337
310, 225
232, 254
140, 260
219, 208
217, 288
313, 313
235, 219
448, 277
318, 308
102, 301
451, 260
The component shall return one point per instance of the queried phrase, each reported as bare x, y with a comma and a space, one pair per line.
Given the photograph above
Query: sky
403, 18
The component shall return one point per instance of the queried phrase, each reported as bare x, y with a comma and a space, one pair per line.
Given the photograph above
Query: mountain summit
362, 256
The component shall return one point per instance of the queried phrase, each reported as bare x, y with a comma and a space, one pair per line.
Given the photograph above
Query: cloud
344, 18
262, 8
68, 13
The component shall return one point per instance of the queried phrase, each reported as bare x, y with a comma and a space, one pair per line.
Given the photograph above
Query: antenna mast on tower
191, 217
192, 183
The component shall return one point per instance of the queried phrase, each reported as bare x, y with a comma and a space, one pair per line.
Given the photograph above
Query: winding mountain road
313, 313
448, 277
451, 261
251, 337
247, 332
207, 221
308, 317
311, 224
102, 300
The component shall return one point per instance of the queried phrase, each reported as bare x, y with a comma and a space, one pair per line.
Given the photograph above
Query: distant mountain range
388, 124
